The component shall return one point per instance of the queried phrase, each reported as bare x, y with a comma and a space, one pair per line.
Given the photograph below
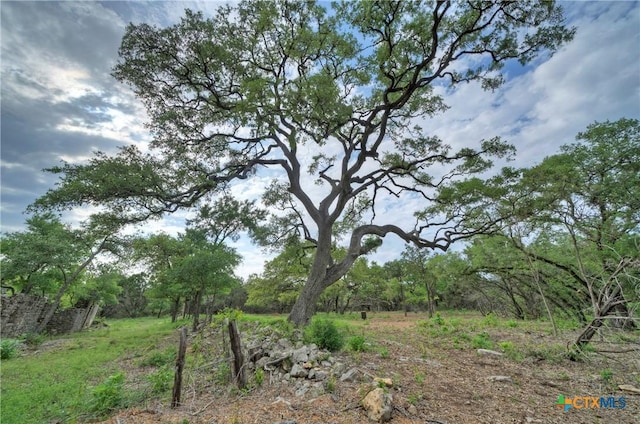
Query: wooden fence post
238, 357
177, 379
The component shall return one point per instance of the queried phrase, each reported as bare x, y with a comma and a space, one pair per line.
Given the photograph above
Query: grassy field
57, 384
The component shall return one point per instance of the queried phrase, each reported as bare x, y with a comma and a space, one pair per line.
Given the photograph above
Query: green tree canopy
311, 96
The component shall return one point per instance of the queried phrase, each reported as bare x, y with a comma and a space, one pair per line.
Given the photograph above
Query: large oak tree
312, 95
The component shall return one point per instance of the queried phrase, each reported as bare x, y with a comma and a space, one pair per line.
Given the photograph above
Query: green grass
57, 385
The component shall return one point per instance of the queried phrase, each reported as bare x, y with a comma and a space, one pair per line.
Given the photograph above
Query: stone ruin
20, 314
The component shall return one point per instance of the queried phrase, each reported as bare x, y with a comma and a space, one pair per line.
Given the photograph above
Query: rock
629, 388
307, 365
412, 410
300, 355
487, 352
285, 344
352, 375
298, 371
378, 405
302, 390
317, 389
386, 381
339, 368
321, 375
504, 378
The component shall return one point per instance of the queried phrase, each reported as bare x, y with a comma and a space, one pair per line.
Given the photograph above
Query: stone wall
21, 314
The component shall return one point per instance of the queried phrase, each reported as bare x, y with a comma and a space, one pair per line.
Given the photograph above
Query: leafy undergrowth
126, 369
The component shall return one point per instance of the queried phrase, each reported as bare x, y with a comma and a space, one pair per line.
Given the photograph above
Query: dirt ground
439, 378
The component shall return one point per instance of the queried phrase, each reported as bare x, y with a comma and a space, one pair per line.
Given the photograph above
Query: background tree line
569, 248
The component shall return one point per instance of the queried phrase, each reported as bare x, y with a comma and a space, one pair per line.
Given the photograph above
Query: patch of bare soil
437, 378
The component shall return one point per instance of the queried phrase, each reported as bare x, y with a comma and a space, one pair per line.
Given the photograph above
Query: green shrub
481, 341
159, 359
324, 334
357, 344
8, 349
437, 319
33, 340
491, 320
223, 374
258, 377
161, 380
108, 396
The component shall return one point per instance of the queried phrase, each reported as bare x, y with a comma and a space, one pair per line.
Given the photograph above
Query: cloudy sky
59, 101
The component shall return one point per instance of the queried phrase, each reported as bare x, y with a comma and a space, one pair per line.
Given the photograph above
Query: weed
8, 349
490, 320
159, 359
258, 377
33, 340
161, 380
511, 351
606, 375
330, 384
384, 353
420, 378
437, 319
223, 374
357, 344
512, 323
108, 395
324, 334
481, 341
414, 398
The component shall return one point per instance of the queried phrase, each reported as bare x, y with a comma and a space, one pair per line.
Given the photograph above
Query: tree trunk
196, 310
174, 309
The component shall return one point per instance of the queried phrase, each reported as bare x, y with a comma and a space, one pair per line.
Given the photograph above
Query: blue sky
59, 101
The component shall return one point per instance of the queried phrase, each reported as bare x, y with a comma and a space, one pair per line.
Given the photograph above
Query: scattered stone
302, 390
298, 371
339, 368
412, 410
280, 399
386, 381
300, 355
378, 405
504, 378
307, 365
487, 352
351, 376
629, 388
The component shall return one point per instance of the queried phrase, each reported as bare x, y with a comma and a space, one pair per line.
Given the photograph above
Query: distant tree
277, 288
52, 256
581, 206
311, 96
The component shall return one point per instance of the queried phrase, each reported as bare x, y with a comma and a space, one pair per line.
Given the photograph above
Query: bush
324, 334
159, 359
108, 396
33, 340
161, 380
357, 344
481, 341
8, 349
